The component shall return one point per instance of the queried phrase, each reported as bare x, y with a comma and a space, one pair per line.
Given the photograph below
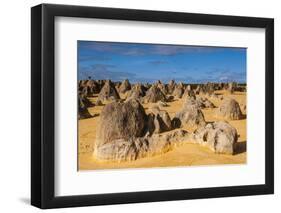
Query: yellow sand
185, 155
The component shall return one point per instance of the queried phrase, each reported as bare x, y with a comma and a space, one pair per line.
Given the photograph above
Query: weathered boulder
89, 87
162, 87
153, 95
125, 86
135, 148
229, 109
199, 102
122, 149
83, 104
137, 92
205, 89
190, 115
158, 121
121, 121
178, 91
84, 100
122, 132
161, 143
219, 136
108, 92
93, 86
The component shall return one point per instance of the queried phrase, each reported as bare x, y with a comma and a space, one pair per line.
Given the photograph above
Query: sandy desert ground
187, 154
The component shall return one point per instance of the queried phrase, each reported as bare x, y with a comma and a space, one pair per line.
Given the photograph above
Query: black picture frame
43, 102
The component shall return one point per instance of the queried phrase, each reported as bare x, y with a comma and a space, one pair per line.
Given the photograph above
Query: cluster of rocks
126, 132
158, 93
90, 87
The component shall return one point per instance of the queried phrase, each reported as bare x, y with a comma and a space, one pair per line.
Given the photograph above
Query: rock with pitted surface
126, 133
219, 136
120, 131
135, 148
108, 92
121, 121
229, 109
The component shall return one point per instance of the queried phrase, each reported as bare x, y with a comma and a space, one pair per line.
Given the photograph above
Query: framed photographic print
139, 106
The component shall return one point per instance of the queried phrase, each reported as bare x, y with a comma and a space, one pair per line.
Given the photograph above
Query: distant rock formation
162, 87
171, 86
108, 92
153, 95
188, 93
125, 86
178, 91
89, 87
198, 102
232, 87
137, 92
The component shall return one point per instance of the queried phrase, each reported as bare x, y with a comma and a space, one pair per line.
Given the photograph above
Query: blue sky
151, 62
